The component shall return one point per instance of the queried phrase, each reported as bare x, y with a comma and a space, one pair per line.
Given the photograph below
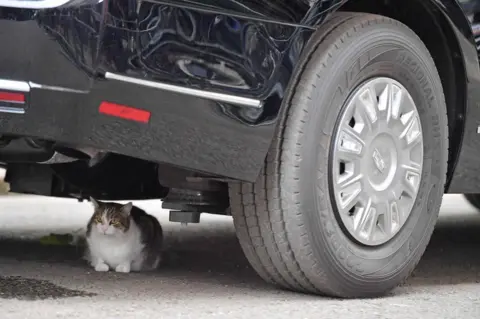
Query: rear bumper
184, 131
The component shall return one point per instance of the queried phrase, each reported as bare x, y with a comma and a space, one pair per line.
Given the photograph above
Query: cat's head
111, 218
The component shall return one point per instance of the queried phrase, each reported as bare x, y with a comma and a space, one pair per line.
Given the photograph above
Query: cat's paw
101, 267
123, 268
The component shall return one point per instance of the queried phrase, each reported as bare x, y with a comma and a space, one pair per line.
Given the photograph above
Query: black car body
179, 99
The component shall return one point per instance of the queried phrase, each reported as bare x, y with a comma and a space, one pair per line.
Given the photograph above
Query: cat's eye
98, 219
114, 223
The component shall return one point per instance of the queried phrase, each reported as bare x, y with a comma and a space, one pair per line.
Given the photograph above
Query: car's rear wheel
473, 199
353, 182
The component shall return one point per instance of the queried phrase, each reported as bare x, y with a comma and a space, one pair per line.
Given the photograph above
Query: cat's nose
104, 228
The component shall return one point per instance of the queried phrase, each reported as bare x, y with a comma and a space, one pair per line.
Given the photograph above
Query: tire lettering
353, 71
419, 75
329, 229
432, 195
342, 255
436, 126
400, 57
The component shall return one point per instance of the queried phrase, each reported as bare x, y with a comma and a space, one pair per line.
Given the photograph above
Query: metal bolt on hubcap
377, 160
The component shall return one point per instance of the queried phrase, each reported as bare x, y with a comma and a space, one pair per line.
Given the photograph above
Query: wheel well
435, 31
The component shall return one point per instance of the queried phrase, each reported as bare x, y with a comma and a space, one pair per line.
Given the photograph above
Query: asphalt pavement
207, 276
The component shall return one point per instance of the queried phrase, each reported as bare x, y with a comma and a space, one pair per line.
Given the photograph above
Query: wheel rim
377, 160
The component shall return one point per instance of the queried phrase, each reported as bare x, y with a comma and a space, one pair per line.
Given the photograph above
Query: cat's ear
95, 203
127, 208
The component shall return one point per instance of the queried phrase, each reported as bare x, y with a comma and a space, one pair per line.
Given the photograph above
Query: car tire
287, 222
473, 199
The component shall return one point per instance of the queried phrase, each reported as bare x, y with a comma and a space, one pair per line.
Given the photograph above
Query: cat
123, 237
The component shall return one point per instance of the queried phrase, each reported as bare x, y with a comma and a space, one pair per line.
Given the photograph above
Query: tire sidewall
386, 52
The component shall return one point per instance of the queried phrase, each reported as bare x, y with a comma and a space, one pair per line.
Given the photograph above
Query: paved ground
208, 277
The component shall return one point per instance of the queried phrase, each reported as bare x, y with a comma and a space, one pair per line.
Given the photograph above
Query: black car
328, 129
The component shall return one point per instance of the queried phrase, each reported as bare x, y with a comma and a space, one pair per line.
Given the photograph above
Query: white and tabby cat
123, 237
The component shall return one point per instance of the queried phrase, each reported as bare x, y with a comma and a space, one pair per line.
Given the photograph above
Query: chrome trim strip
12, 110
34, 85
219, 97
19, 86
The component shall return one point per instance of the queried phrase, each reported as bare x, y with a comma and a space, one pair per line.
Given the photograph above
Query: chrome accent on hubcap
377, 160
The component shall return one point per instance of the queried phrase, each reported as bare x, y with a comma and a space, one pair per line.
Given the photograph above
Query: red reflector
125, 112
12, 97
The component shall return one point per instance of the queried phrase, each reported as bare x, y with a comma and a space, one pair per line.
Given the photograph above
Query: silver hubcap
377, 160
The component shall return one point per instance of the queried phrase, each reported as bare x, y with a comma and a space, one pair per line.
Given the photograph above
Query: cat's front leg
100, 265
123, 267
